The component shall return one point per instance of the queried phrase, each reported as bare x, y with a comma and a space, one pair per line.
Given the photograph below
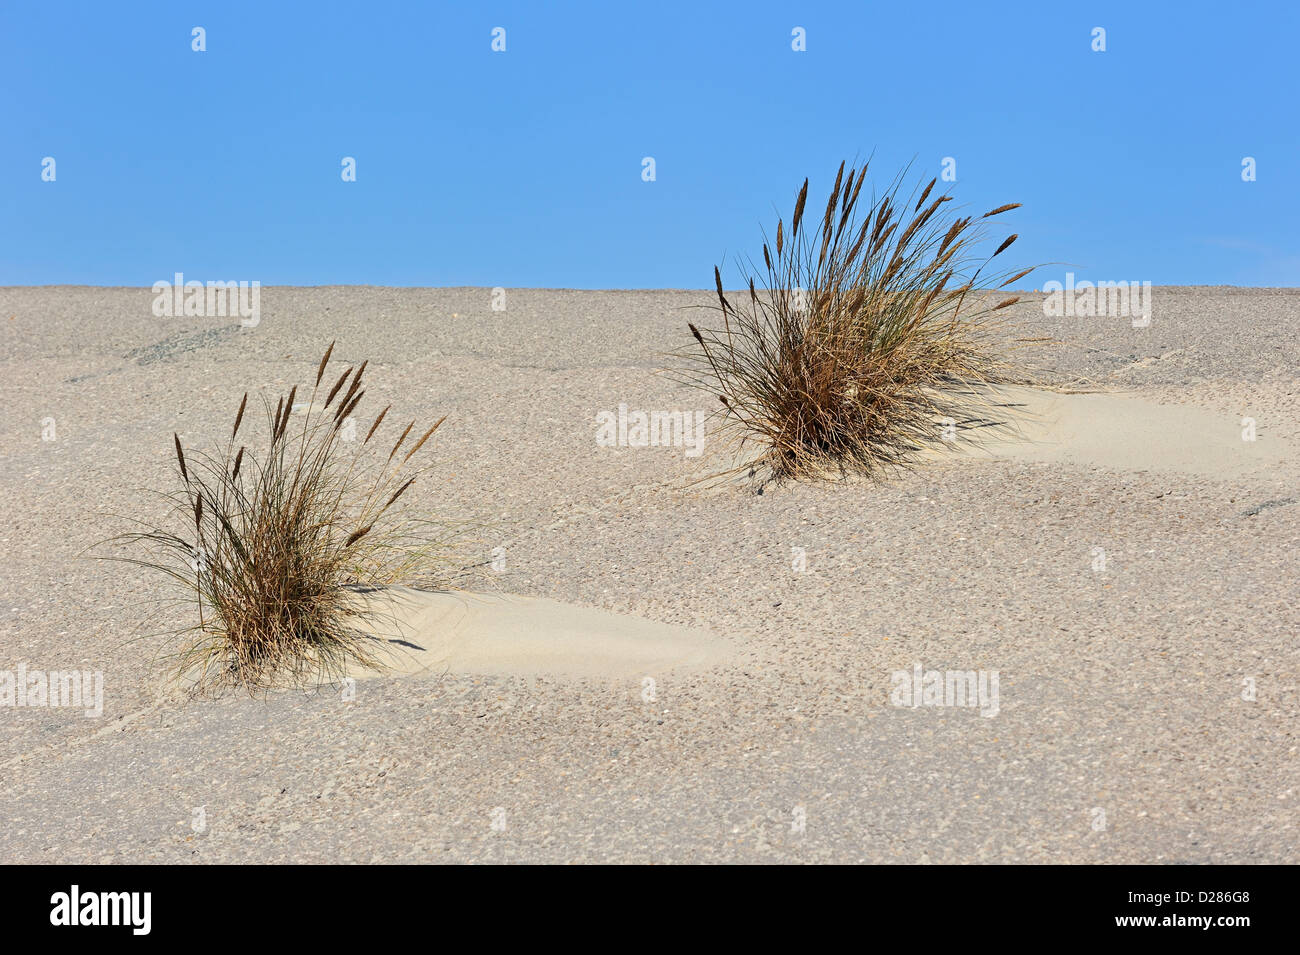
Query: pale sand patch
494, 634
1126, 433
1113, 431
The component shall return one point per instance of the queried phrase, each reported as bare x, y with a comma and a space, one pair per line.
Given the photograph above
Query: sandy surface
1123, 432
1121, 733
434, 633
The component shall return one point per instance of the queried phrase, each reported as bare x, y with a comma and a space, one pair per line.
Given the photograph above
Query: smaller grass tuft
274, 546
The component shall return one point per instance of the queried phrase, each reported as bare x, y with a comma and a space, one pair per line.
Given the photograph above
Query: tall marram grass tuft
273, 545
864, 330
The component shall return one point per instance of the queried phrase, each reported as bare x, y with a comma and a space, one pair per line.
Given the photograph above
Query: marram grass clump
274, 546
863, 337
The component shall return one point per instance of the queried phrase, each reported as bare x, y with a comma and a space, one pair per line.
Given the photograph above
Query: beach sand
1127, 433
1121, 557
432, 633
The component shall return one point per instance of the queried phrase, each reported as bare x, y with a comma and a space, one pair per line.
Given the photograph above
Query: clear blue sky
523, 168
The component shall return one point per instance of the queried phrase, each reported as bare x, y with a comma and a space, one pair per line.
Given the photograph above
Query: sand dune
1123, 560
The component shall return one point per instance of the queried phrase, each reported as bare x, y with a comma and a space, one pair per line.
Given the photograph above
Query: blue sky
523, 168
